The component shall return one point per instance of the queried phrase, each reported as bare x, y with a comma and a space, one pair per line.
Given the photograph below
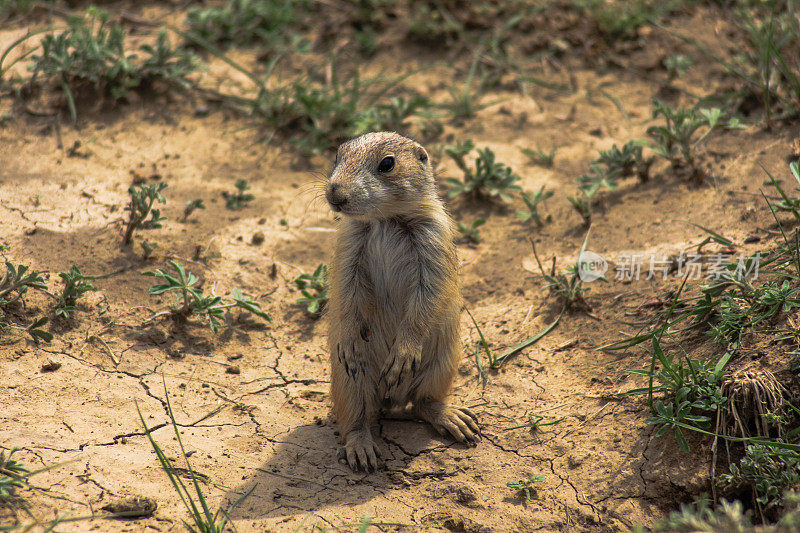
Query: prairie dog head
380, 175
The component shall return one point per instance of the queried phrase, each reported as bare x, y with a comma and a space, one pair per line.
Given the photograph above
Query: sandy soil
267, 427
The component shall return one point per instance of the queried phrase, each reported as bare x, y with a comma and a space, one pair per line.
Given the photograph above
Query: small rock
258, 238
201, 111
233, 369
234, 357
51, 366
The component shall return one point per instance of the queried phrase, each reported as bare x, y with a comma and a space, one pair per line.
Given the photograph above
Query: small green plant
203, 520
392, 116
17, 280
190, 300
486, 179
677, 140
692, 391
432, 24
91, 53
567, 286
191, 206
700, 515
535, 423
466, 102
532, 203
314, 288
583, 206
240, 198
625, 162
246, 22
621, 19
539, 157
148, 248
677, 65
13, 476
525, 487
770, 51
770, 472
787, 203
140, 206
469, 232
75, 286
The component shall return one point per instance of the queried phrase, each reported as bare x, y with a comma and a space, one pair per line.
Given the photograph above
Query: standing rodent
394, 294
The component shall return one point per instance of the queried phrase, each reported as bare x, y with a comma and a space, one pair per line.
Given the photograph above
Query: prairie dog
394, 294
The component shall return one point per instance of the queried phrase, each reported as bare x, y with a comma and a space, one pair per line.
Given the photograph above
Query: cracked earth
266, 427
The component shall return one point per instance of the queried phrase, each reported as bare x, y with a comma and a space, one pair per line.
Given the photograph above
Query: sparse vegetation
720, 353
140, 207
677, 140
190, 301
91, 53
470, 233
191, 207
540, 157
532, 203
526, 487
202, 518
240, 198
486, 179
75, 286
246, 22
314, 288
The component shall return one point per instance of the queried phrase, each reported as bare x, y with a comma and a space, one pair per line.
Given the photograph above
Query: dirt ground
267, 427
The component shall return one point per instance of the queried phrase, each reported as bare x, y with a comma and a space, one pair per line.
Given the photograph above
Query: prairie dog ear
421, 154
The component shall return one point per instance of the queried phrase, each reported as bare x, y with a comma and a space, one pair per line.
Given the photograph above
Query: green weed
677, 65
203, 520
567, 286
583, 206
15, 282
773, 39
539, 156
535, 423
91, 53
314, 288
75, 286
625, 162
13, 476
701, 516
532, 203
771, 473
525, 487
430, 23
487, 179
470, 233
191, 206
678, 139
786, 203
246, 22
190, 300
465, 102
140, 206
240, 198
392, 116
621, 19
319, 117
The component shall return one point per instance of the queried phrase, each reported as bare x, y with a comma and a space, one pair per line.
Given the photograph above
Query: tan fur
394, 294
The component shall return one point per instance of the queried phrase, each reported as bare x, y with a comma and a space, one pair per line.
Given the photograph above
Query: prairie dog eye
386, 164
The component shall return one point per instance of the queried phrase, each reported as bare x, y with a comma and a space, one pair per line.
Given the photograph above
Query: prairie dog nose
335, 196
